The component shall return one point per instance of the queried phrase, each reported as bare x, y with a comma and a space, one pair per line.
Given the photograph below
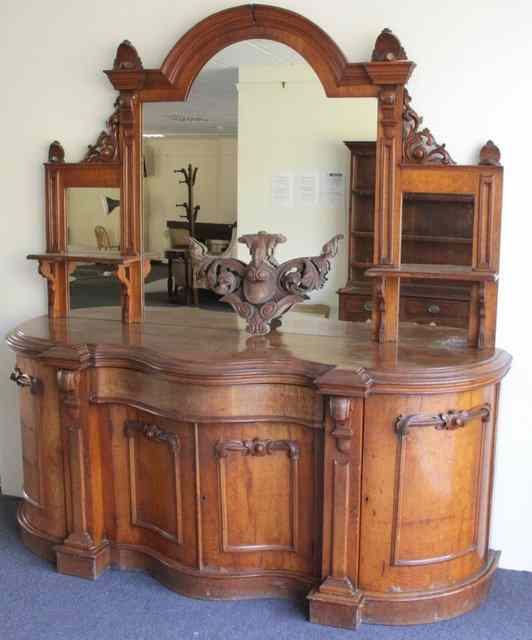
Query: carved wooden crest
263, 290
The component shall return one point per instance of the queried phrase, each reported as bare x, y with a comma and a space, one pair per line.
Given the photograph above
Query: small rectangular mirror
92, 219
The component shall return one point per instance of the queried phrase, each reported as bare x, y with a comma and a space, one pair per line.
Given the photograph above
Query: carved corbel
56, 153
340, 409
490, 155
123, 275
48, 270
388, 48
448, 421
388, 100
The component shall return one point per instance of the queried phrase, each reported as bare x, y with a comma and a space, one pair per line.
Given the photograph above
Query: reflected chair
103, 241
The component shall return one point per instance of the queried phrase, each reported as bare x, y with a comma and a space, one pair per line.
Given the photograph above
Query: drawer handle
368, 306
24, 380
448, 421
433, 308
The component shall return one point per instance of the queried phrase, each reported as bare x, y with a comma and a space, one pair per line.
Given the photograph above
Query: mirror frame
407, 157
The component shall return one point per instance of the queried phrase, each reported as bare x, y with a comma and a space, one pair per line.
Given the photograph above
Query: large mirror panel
257, 146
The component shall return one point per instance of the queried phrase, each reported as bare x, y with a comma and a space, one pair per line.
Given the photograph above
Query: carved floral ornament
263, 290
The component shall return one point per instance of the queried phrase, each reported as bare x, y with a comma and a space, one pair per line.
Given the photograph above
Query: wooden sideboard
308, 462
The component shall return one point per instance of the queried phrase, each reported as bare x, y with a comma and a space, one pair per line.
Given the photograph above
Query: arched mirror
256, 146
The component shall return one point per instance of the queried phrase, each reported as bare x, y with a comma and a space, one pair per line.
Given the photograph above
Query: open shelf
432, 272
410, 237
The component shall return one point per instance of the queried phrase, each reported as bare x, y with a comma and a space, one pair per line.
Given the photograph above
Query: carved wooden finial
127, 58
490, 154
388, 48
56, 153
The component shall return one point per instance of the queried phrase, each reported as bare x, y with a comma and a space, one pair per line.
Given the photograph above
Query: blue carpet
36, 603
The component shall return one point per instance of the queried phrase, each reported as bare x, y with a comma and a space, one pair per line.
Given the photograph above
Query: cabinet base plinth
403, 608
343, 612
83, 563
325, 608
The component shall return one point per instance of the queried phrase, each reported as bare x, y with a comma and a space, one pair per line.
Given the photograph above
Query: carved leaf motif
419, 146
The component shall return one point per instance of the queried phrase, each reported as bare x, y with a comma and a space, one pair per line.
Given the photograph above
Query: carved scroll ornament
106, 148
448, 421
263, 290
419, 146
257, 447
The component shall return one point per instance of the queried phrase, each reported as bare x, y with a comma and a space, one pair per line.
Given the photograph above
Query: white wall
214, 191
471, 83
287, 125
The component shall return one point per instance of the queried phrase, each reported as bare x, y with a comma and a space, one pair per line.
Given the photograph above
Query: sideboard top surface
214, 346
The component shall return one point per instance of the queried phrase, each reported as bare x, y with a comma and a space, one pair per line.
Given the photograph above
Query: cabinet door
425, 489
260, 503
42, 451
153, 476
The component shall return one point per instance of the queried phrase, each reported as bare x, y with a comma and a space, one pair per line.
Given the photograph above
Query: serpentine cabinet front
375, 504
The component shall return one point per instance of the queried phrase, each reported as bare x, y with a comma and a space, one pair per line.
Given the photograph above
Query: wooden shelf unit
437, 230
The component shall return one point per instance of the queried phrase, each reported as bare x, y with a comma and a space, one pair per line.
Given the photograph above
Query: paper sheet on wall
306, 187
332, 188
281, 190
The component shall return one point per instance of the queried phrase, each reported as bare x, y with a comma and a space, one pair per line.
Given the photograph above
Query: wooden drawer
355, 307
452, 313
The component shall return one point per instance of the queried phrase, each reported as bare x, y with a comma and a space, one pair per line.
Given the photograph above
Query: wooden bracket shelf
130, 270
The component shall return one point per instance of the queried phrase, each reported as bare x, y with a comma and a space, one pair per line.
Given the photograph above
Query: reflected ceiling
212, 108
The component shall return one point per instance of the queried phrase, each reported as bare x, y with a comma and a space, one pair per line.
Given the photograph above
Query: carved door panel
260, 503
42, 455
425, 505
154, 483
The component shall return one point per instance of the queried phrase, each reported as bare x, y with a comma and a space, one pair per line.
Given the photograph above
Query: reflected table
181, 255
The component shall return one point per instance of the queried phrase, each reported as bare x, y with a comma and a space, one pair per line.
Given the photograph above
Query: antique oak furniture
348, 462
